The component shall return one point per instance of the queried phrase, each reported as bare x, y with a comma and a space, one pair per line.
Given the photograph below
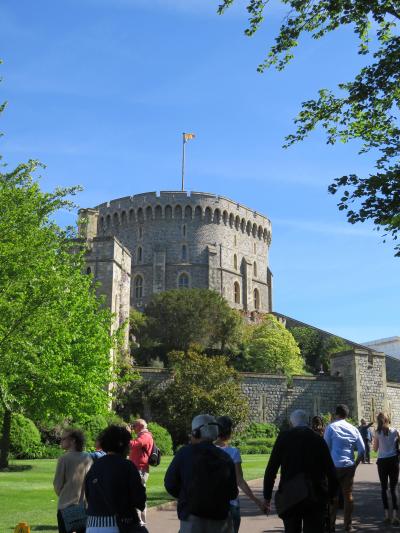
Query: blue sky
100, 91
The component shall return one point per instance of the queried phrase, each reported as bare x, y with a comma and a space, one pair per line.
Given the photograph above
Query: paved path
368, 511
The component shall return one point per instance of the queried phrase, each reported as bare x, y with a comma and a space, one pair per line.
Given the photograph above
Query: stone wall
272, 398
358, 379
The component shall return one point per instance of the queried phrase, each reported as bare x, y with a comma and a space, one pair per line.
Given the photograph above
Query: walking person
366, 435
139, 452
202, 478
343, 439
385, 442
308, 479
223, 442
69, 477
113, 486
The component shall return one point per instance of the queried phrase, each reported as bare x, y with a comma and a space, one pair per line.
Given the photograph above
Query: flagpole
183, 161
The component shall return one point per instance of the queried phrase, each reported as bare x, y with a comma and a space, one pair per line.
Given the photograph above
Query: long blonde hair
383, 423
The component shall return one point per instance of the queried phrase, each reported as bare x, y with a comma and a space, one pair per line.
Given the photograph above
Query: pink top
140, 450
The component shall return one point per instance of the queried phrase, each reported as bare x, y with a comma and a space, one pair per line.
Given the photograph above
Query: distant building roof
389, 345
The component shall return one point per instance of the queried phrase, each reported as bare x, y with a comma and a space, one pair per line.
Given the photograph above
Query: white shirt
387, 446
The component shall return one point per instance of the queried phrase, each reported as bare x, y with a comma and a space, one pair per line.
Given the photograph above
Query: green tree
54, 336
365, 109
199, 384
179, 318
316, 347
271, 348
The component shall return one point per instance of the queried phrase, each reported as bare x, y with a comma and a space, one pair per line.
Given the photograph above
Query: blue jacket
179, 476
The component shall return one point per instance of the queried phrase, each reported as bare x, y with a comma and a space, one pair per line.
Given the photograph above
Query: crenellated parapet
179, 239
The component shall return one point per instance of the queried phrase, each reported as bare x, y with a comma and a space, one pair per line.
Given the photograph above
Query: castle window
158, 212
139, 254
208, 214
236, 291
184, 252
235, 240
178, 212
184, 230
188, 212
235, 262
256, 299
116, 220
108, 221
231, 220
255, 269
168, 211
254, 247
140, 232
183, 281
123, 218
138, 287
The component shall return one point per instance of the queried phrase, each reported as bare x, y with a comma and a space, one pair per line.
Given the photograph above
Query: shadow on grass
16, 468
44, 528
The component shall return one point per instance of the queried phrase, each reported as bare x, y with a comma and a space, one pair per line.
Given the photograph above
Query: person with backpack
202, 477
140, 450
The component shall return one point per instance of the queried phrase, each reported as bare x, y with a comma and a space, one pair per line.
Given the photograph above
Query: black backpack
155, 456
210, 487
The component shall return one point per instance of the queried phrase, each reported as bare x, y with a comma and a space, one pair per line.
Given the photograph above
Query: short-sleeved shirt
234, 454
387, 444
342, 439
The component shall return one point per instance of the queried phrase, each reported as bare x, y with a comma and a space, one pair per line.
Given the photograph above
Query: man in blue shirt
343, 439
366, 435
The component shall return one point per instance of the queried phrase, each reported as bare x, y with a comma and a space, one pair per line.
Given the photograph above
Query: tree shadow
44, 528
15, 468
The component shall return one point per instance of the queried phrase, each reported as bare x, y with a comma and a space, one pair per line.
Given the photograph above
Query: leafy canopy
54, 336
364, 109
179, 318
316, 347
199, 384
271, 348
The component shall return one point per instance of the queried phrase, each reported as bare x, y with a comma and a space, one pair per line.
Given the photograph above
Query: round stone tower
180, 239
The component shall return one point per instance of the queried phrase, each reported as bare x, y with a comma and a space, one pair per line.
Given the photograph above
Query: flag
188, 136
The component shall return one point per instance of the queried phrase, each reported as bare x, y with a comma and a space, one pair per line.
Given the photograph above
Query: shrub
24, 437
261, 430
249, 449
95, 425
162, 438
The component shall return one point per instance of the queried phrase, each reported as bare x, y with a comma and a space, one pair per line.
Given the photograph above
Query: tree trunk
5, 441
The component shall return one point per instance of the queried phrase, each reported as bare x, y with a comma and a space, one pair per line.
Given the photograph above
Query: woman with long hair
317, 425
386, 444
224, 436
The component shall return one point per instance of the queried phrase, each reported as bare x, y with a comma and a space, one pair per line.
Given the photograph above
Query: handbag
291, 493
74, 517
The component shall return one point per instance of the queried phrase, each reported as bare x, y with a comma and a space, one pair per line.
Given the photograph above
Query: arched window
138, 287
183, 281
256, 299
236, 291
255, 269
208, 214
235, 263
184, 252
108, 221
188, 212
123, 218
168, 211
158, 212
178, 212
184, 230
149, 212
139, 254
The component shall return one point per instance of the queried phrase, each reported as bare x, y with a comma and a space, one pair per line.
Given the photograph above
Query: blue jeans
235, 515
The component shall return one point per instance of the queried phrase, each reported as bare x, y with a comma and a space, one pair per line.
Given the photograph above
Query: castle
148, 243
178, 240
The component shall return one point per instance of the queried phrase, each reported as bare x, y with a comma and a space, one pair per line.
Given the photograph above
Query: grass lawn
26, 492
